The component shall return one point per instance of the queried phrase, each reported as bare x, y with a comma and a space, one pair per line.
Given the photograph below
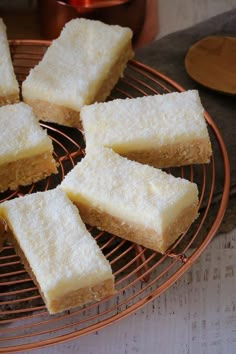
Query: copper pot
54, 14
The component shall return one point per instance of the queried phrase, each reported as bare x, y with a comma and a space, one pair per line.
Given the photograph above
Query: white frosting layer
144, 123
8, 82
61, 252
76, 63
128, 190
20, 134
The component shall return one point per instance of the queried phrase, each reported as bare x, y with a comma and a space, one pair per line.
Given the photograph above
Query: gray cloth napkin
167, 56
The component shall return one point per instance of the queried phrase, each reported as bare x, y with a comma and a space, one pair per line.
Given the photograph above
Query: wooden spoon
212, 63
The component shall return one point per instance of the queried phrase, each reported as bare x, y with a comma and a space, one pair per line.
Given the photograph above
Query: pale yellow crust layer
50, 112
72, 298
135, 232
179, 154
59, 114
82, 296
9, 99
26, 171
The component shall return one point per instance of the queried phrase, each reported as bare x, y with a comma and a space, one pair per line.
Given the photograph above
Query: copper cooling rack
141, 274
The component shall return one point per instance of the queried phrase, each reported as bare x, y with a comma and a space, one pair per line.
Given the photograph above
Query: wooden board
212, 63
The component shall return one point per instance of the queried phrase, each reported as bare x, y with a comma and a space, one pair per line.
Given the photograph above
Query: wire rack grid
140, 274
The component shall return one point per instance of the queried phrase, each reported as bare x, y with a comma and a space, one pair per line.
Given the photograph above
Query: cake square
63, 259
25, 148
136, 202
9, 89
80, 67
161, 130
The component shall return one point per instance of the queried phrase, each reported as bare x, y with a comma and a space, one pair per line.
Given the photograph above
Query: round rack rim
185, 262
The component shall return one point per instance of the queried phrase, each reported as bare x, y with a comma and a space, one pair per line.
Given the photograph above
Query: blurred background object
161, 16
44, 19
128, 13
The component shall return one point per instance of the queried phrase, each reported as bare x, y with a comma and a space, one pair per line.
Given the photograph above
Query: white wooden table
196, 315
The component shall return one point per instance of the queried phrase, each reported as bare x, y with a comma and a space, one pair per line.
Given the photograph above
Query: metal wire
141, 274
